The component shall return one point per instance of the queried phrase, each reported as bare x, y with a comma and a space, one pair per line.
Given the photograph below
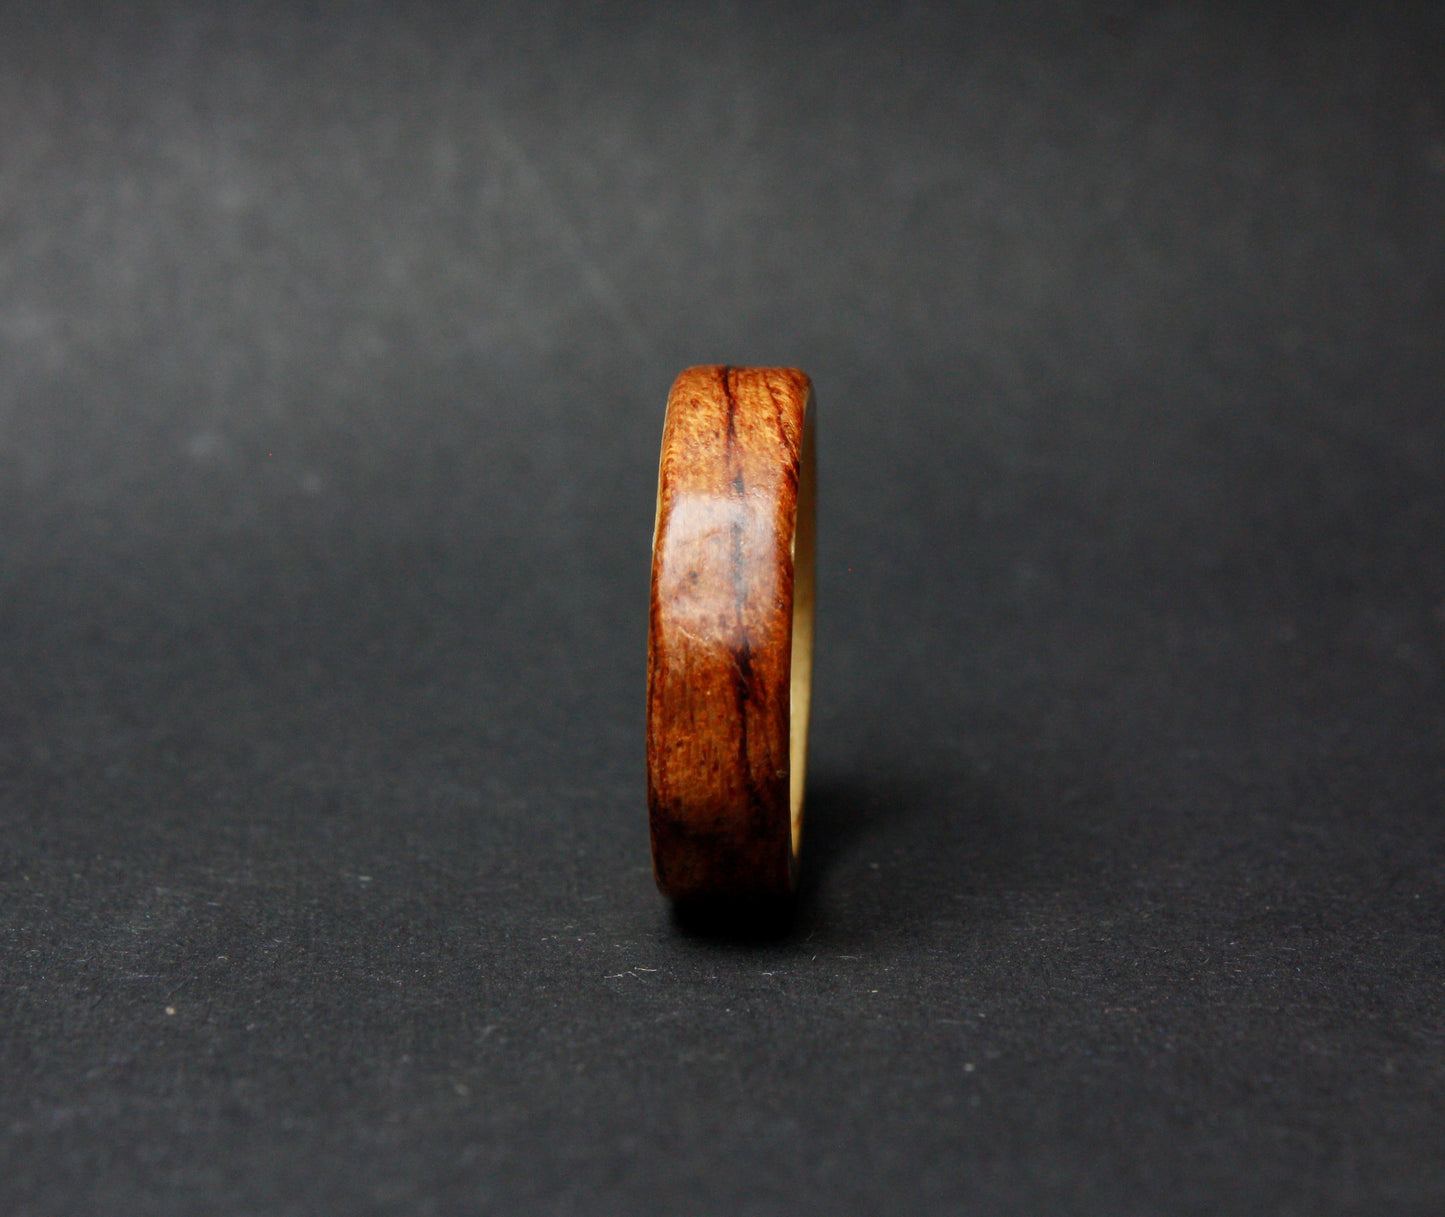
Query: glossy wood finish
730, 645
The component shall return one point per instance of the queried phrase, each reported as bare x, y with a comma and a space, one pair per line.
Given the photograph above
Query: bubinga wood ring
730, 648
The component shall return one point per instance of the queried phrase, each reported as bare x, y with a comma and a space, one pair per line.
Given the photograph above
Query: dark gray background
333, 349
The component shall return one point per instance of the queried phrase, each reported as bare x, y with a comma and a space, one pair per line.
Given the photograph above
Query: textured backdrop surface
333, 347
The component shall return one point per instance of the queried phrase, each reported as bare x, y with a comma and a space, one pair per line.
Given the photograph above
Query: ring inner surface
804, 598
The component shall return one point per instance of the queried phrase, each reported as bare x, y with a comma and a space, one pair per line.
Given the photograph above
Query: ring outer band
731, 628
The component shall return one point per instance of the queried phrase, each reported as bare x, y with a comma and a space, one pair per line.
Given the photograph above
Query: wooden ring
730, 647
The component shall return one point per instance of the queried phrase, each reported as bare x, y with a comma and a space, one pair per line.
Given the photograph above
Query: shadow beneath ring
841, 814
744, 921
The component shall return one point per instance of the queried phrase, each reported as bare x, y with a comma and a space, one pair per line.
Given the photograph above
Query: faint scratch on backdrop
598, 282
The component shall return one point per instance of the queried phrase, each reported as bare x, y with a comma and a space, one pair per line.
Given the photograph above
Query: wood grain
730, 643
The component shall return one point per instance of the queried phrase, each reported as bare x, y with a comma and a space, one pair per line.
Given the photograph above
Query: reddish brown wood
730, 645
